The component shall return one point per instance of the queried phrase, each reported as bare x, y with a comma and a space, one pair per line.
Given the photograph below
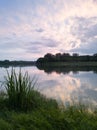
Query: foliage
5, 125
70, 118
66, 57
19, 90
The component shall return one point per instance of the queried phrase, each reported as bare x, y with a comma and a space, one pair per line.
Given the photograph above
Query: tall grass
19, 89
21, 93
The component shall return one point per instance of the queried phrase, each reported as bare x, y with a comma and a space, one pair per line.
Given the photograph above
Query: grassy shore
23, 108
48, 119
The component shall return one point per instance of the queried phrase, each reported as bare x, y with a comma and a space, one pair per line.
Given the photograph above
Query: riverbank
48, 116
48, 119
23, 108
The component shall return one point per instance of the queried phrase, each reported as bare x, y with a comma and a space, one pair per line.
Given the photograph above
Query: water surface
66, 88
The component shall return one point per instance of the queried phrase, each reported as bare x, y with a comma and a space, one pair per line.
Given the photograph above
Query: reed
19, 89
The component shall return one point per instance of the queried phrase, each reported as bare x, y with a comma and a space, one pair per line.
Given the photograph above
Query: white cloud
65, 24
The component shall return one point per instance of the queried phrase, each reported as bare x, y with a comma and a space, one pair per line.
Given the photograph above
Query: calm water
64, 87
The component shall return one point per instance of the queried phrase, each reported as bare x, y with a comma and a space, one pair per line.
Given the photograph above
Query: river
66, 88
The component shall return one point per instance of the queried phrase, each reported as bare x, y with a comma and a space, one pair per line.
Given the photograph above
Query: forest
66, 57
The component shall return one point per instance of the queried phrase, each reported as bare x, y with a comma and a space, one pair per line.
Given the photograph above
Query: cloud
87, 48
85, 30
39, 30
54, 26
43, 42
84, 27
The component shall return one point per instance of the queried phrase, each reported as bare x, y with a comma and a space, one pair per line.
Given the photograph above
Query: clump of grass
21, 94
19, 89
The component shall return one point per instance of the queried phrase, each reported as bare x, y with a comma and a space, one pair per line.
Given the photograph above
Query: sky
31, 28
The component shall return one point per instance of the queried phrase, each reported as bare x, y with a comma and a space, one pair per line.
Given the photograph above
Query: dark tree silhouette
66, 57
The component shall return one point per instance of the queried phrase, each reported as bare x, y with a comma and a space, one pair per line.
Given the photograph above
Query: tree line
66, 57
7, 63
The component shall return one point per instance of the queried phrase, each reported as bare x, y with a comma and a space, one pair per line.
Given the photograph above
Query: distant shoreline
7, 63
48, 64
66, 59
68, 64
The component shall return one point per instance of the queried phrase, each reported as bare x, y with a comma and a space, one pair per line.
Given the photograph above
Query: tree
75, 54
48, 56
